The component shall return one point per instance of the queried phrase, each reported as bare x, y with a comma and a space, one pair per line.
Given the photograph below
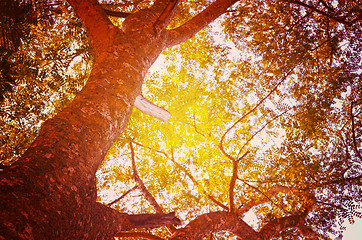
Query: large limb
96, 23
296, 221
151, 109
206, 224
165, 18
201, 20
116, 13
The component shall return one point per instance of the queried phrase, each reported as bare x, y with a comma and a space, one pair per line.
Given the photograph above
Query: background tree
267, 122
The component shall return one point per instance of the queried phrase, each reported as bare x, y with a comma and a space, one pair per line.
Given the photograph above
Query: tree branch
140, 184
206, 224
116, 13
123, 195
145, 106
294, 221
153, 220
148, 195
281, 224
267, 197
232, 186
96, 23
233, 182
193, 26
221, 147
353, 132
337, 19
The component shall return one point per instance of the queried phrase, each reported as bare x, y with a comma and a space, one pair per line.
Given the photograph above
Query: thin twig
197, 183
248, 113
257, 132
123, 195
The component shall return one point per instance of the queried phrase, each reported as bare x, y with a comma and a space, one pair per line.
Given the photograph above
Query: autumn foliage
265, 135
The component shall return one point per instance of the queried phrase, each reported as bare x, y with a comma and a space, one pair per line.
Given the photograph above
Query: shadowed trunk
50, 192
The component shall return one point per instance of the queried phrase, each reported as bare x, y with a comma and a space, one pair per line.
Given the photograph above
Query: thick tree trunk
50, 192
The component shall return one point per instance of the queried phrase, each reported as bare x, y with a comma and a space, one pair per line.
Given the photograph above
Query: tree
50, 192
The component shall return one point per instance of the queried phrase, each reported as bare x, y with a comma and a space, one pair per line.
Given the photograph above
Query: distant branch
315, 9
232, 183
299, 21
196, 183
332, 205
353, 132
266, 197
340, 181
257, 132
216, 201
221, 147
123, 195
152, 149
140, 184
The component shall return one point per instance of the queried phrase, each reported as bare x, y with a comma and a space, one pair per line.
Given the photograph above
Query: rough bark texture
50, 192
204, 225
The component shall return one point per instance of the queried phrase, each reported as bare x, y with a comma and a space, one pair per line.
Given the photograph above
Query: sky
354, 231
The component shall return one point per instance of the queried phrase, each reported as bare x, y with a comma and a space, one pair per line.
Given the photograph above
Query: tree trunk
50, 192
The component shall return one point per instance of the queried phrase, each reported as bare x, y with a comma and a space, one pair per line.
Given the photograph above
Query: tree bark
50, 192
204, 225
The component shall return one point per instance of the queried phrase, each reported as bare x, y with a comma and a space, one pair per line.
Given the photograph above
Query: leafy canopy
271, 91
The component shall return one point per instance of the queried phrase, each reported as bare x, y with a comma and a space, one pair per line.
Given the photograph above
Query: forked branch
193, 26
221, 147
166, 16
